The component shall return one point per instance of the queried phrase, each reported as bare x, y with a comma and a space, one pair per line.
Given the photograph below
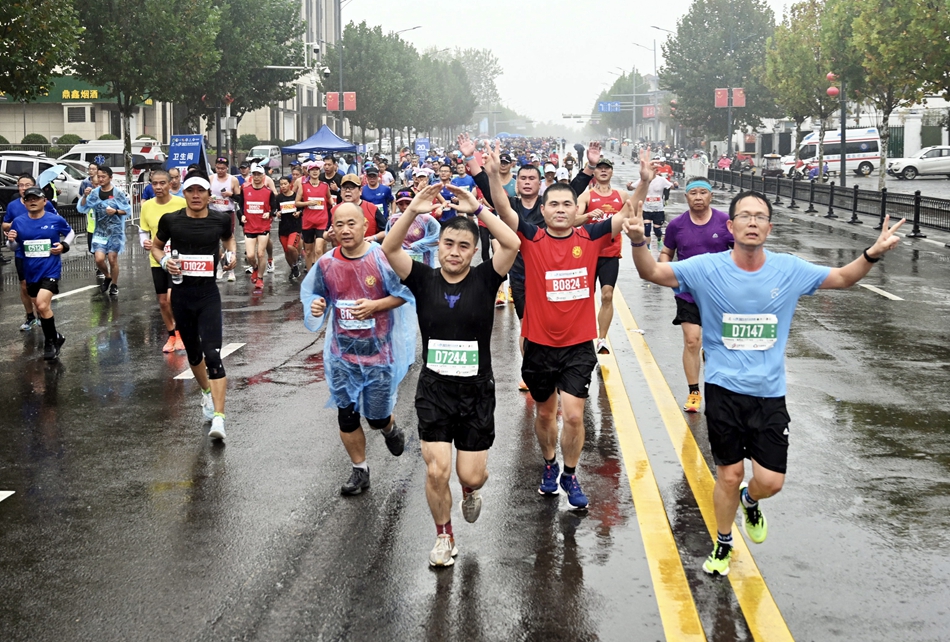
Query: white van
863, 151
111, 153
35, 163
266, 155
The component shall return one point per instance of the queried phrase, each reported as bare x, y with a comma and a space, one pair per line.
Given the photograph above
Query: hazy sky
556, 55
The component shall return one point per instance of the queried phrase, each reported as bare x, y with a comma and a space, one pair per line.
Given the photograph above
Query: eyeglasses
759, 218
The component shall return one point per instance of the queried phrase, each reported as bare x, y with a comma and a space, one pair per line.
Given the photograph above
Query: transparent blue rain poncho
109, 235
422, 239
364, 359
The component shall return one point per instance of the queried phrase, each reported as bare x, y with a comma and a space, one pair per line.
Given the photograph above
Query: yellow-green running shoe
718, 561
754, 522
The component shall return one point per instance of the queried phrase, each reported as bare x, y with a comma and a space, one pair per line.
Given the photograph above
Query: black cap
505, 157
33, 191
244, 165
372, 170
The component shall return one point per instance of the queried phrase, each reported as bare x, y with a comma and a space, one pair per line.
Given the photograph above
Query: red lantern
831, 76
833, 92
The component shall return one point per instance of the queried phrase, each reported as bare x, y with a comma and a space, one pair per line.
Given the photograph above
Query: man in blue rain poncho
370, 338
422, 239
111, 207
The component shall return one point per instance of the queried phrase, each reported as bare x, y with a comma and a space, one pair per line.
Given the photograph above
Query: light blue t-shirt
720, 287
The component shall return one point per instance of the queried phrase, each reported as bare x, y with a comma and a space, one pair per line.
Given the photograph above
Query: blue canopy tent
503, 135
323, 141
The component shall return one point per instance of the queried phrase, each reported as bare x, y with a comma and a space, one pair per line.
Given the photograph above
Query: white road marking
892, 297
62, 294
225, 351
5, 493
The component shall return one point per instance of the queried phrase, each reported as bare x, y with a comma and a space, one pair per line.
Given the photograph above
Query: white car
34, 164
926, 162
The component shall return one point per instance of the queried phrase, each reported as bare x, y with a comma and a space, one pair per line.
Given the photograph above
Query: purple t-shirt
687, 239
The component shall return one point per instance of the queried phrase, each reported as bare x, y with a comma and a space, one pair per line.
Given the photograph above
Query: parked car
926, 162
111, 153
267, 156
35, 163
8, 190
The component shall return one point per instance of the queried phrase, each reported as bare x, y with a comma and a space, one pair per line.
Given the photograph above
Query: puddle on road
294, 374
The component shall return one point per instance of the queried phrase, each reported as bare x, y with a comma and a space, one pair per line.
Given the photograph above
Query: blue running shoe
575, 495
549, 479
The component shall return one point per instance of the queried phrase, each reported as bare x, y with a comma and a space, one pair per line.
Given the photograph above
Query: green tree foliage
621, 121
37, 43
34, 139
253, 34
796, 65
247, 141
719, 43
482, 68
934, 25
141, 50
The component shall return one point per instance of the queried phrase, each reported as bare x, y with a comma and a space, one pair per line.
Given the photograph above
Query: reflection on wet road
126, 523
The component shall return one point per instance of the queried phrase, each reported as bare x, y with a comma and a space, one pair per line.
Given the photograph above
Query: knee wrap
214, 365
378, 424
349, 419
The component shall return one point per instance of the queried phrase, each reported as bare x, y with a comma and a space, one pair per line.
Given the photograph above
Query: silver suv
35, 163
926, 162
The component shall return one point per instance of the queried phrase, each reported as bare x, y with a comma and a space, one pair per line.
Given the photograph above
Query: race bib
255, 208
319, 206
38, 249
220, 200
288, 207
453, 358
415, 256
654, 199
566, 285
749, 331
168, 247
99, 239
196, 264
346, 319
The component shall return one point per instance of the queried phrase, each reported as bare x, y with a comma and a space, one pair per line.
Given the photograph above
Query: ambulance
863, 149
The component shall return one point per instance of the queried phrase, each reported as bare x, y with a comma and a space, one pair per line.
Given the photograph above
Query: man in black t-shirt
196, 234
455, 397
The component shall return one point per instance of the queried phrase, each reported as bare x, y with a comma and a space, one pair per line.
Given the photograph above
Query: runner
376, 192
370, 341
313, 197
421, 241
550, 178
559, 325
654, 209
701, 229
196, 233
507, 179
601, 202
375, 222
152, 212
111, 207
455, 396
747, 298
35, 240
289, 226
224, 188
259, 203
174, 182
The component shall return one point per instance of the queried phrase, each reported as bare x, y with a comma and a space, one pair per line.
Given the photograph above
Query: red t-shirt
315, 216
256, 203
609, 205
369, 212
559, 282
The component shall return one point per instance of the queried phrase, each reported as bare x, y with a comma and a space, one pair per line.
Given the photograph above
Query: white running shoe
231, 278
217, 428
444, 551
207, 405
270, 266
471, 506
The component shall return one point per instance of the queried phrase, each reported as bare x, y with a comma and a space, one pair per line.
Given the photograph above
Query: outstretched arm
508, 241
400, 261
498, 193
848, 275
647, 267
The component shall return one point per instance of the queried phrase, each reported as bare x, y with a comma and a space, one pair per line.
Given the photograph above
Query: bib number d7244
453, 358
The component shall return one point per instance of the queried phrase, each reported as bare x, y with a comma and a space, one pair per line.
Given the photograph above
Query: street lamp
395, 33
835, 92
656, 93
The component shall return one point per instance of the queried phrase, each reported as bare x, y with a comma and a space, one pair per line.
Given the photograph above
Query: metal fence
837, 202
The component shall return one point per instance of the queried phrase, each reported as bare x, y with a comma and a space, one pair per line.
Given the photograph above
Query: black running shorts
741, 426
161, 280
608, 269
459, 412
517, 293
546, 370
686, 312
310, 235
33, 289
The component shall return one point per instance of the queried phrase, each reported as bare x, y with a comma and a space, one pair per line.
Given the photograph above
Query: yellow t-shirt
151, 212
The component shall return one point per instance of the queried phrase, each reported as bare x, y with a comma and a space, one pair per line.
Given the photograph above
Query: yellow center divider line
673, 595
761, 612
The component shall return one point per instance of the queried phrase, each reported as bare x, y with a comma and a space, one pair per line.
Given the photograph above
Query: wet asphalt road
127, 524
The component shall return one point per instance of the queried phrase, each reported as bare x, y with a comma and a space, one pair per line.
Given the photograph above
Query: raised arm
647, 267
399, 260
499, 195
848, 275
508, 241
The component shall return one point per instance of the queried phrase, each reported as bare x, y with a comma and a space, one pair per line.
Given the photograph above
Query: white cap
550, 168
257, 169
562, 173
196, 180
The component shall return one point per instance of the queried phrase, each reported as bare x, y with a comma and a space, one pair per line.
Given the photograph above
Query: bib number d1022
196, 265
749, 331
453, 358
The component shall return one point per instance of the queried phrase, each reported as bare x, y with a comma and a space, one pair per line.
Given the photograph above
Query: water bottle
176, 278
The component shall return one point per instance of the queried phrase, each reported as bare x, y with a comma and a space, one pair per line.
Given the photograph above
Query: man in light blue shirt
747, 298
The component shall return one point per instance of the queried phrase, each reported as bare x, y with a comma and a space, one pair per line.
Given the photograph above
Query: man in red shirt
350, 192
313, 197
259, 203
600, 202
559, 324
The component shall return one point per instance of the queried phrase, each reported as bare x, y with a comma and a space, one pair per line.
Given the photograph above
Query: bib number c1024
749, 331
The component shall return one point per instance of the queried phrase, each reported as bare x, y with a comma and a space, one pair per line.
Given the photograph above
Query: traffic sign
608, 106
422, 146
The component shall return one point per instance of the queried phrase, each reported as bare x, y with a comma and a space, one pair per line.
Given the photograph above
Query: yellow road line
674, 598
761, 613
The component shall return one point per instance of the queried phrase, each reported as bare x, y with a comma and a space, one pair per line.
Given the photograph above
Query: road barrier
924, 211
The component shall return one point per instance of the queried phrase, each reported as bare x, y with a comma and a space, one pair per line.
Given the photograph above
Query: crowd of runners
428, 247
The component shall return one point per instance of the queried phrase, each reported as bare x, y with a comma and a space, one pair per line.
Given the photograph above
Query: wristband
591, 167
163, 262
640, 244
868, 258
469, 158
65, 246
478, 211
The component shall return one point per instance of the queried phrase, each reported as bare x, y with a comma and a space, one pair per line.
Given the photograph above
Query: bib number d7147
749, 331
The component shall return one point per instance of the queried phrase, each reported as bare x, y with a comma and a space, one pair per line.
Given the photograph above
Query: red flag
722, 98
333, 101
649, 111
349, 101
738, 97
